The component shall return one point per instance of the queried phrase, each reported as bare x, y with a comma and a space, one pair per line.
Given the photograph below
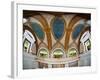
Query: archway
84, 43
29, 40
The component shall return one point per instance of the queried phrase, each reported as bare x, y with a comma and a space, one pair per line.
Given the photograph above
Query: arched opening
43, 53
26, 45
58, 53
85, 42
29, 40
72, 52
29, 48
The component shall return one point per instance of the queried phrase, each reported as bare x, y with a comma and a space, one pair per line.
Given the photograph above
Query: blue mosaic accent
77, 30
58, 27
38, 30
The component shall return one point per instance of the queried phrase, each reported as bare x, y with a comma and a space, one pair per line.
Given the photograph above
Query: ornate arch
69, 29
30, 30
86, 29
71, 25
